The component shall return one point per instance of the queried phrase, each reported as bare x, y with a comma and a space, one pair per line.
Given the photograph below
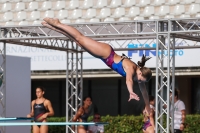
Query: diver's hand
44, 116
133, 96
28, 116
146, 113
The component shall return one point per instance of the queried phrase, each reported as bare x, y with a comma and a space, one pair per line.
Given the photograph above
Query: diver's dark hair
86, 98
146, 72
151, 98
41, 88
143, 60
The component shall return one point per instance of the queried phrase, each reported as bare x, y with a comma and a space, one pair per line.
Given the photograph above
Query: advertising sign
46, 59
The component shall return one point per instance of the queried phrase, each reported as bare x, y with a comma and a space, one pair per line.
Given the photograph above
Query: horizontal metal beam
105, 31
43, 46
106, 73
187, 37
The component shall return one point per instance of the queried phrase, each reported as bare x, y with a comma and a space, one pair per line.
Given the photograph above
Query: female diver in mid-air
121, 64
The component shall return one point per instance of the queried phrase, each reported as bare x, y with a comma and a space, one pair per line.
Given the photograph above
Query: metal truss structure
168, 35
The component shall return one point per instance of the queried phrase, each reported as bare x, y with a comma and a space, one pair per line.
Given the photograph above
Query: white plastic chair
65, 21
109, 20
187, 1
16, 1
154, 17
4, 1
20, 6
7, 16
49, 14
122, 19
163, 10
197, 1
33, 6
158, 2
138, 18
21, 16
80, 21
62, 14
178, 10
101, 3
87, 4
104, 12
6, 7
173, 2
169, 16
93, 20
46, 5
23, 23
193, 9
185, 16
148, 11
73, 4
129, 3
77, 13
60, 5
133, 11
115, 3
143, 3
35, 15
90, 13
27, 0
119, 12
9, 23
197, 15
36, 22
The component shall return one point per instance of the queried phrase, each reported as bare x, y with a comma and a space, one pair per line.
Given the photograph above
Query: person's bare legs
58, 30
44, 129
150, 129
36, 129
81, 129
97, 49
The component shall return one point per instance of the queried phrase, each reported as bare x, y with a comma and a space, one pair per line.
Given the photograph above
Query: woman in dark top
41, 108
83, 114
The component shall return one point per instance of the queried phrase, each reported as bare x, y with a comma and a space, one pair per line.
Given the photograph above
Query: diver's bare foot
57, 29
51, 21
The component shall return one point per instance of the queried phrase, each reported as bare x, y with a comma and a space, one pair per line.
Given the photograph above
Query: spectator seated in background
96, 128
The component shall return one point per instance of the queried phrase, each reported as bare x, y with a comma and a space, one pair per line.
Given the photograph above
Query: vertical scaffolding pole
3, 84
67, 86
160, 78
165, 78
173, 82
172, 45
168, 77
73, 84
156, 98
81, 77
